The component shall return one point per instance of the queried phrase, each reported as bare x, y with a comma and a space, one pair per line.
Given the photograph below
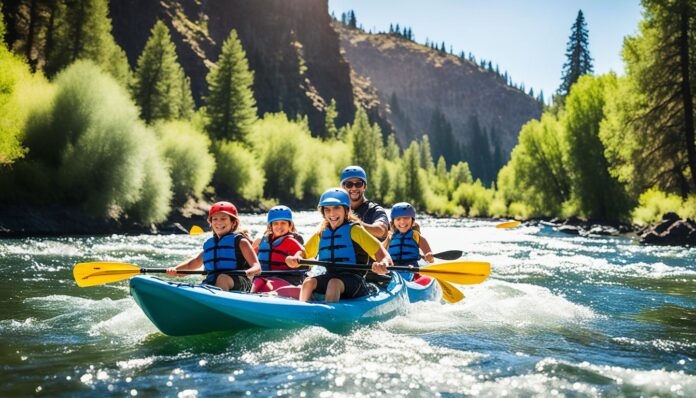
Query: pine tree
391, 150
230, 106
578, 54
352, 21
426, 154
330, 116
413, 187
160, 87
83, 31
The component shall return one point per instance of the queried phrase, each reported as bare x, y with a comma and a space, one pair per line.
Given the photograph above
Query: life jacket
403, 249
223, 254
337, 246
272, 254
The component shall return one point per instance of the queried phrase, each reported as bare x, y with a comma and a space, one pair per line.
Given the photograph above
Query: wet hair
350, 217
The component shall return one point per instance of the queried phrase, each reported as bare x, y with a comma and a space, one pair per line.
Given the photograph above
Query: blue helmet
353, 172
403, 209
335, 197
278, 213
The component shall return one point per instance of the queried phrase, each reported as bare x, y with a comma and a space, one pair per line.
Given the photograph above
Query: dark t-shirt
370, 212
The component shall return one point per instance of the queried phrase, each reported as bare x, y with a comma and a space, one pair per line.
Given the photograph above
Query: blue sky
526, 38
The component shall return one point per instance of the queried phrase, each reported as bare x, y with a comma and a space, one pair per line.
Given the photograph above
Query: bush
653, 203
155, 193
185, 151
90, 147
238, 173
475, 198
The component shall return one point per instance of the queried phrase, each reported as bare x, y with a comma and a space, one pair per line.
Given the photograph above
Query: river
560, 316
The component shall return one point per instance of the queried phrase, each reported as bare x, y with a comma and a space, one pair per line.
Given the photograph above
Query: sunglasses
358, 184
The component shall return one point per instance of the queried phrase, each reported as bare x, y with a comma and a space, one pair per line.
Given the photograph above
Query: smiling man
372, 216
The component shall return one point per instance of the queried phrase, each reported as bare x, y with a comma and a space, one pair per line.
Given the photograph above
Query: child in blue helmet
340, 239
279, 241
405, 243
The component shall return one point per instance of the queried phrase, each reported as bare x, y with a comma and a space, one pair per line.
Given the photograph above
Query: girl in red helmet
227, 250
279, 241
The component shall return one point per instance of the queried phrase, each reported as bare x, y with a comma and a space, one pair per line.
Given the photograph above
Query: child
226, 250
340, 239
279, 241
405, 242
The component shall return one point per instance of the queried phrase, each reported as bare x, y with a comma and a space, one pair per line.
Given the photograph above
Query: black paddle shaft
233, 272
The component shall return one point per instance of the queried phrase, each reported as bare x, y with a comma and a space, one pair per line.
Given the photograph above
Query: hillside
414, 82
291, 48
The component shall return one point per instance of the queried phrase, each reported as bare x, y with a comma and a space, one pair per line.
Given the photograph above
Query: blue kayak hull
180, 309
429, 292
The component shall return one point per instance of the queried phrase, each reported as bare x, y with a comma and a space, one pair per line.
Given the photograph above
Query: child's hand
379, 268
429, 257
251, 272
293, 261
171, 271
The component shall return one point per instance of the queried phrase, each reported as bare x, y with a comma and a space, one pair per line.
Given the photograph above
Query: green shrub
185, 151
155, 193
91, 148
238, 173
475, 198
652, 204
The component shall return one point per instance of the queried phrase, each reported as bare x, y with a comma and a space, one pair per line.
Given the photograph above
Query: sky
526, 38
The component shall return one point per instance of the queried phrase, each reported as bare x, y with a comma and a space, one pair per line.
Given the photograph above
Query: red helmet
225, 207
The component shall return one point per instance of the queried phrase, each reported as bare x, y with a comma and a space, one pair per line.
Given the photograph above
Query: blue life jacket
267, 251
223, 254
403, 250
337, 246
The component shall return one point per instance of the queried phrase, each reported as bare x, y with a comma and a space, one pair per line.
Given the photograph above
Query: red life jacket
272, 254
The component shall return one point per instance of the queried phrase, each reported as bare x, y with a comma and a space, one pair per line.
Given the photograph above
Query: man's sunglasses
357, 184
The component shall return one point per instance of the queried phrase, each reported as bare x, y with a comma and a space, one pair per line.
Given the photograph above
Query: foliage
578, 57
185, 150
536, 174
652, 204
83, 31
19, 91
238, 174
230, 105
88, 148
595, 192
651, 119
366, 143
160, 87
330, 116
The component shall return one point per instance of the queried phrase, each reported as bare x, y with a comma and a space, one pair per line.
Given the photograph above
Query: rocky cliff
424, 80
291, 47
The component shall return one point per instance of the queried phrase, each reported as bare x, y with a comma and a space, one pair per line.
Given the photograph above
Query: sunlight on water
560, 316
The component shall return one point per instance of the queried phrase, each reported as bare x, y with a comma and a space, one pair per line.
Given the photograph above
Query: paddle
196, 230
459, 272
508, 224
448, 255
99, 273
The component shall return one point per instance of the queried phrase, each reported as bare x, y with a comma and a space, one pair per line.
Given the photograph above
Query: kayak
180, 309
423, 288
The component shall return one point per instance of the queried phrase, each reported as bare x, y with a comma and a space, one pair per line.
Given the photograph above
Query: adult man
372, 216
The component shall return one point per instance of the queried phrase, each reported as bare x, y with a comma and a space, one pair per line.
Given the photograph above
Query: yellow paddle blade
450, 293
459, 272
99, 273
196, 230
508, 224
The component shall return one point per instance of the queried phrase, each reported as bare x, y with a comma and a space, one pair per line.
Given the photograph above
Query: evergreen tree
651, 127
444, 143
442, 47
413, 186
330, 116
352, 21
230, 106
83, 31
160, 87
366, 142
391, 150
426, 154
578, 57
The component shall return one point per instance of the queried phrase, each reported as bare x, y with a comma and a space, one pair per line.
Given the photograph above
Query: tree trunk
31, 32
687, 97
